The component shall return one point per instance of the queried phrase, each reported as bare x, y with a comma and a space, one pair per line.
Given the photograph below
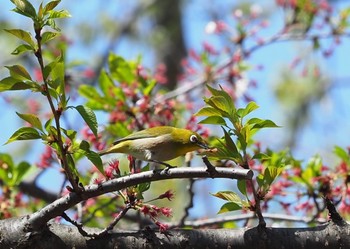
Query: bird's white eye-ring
193, 139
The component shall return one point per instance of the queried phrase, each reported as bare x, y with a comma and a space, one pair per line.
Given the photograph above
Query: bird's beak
203, 145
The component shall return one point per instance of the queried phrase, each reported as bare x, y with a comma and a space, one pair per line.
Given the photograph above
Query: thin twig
61, 153
210, 168
102, 232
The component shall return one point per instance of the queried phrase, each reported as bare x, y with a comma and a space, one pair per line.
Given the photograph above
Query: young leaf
342, 154
12, 84
92, 156
31, 119
105, 82
261, 123
242, 186
58, 14
208, 111
71, 134
230, 144
48, 36
19, 72
50, 6
19, 171
142, 187
228, 196
25, 8
71, 167
216, 120
89, 117
22, 49
23, 35
228, 207
24, 133
242, 112
228, 99
220, 104
120, 69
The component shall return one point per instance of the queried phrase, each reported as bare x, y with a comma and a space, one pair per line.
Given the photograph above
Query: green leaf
219, 103
57, 76
261, 156
208, 111
216, 120
146, 90
242, 112
261, 123
50, 6
228, 196
228, 207
25, 8
89, 117
120, 69
6, 168
31, 119
92, 156
19, 171
142, 187
89, 92
19, 72
53, 14
48, 36
24, 133
231, 146
23, 48
71, 167
342, 154
12, 84
271, 173
23, 35
105, 82
242, 186
71, 134
230, 106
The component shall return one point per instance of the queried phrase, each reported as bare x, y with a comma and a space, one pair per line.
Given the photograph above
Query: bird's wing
133, 136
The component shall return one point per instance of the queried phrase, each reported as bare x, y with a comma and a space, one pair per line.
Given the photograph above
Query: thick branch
61, 236
38, 219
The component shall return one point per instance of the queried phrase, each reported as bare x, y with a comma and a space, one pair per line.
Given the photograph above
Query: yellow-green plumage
160, 144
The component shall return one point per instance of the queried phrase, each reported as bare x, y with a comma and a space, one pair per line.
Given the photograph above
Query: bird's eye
193, 139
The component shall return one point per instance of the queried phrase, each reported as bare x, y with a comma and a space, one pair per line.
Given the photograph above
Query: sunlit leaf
242, 112
23, 35
228, 196
48, 36
31, 119
25, 8
12, 84
216, 120
228, 207
18, 72
89, 117
23, 48
24, 133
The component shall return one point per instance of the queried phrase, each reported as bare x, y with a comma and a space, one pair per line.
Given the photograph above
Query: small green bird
158, 144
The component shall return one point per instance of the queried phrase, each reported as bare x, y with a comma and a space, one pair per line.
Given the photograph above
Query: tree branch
38, 219
60, 236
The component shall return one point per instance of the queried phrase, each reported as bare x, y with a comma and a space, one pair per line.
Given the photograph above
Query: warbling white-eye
158, 144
